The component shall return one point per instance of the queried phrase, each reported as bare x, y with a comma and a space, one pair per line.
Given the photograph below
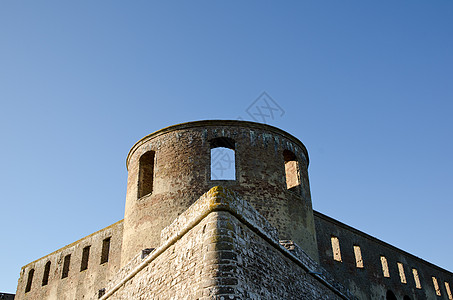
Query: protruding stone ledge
219, 198
222, 199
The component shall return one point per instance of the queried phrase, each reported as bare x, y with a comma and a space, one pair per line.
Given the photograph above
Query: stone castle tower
189, 235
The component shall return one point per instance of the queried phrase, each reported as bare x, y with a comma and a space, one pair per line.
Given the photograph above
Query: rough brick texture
368, 282
182, 175
222, 248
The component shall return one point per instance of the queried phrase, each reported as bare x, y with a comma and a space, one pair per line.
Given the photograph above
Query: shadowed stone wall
78, 284
369, 282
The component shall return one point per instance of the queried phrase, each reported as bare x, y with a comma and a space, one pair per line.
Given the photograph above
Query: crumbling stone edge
220, 198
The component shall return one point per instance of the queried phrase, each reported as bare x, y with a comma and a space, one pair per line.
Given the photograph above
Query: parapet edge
206, 123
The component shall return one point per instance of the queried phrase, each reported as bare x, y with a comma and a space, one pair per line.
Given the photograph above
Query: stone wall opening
66, 263
291, 169
385, 267
29, 280
358, 257
223, 159
336, 248
45, 277
416, 279
85, 257
401, 271
146, 174
390, 295
105, 250
436, 286
447, 288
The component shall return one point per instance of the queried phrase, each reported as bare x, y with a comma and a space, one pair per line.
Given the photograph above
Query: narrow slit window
401, 271
336, 248
85, 257
45, 276
291, 169
105, 250
146, 174
358, 257
223, 159
29, 280
416, 279
385, 267
66, 263
436, 286
447, 287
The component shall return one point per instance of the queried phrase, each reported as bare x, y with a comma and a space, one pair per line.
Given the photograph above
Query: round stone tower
170, 169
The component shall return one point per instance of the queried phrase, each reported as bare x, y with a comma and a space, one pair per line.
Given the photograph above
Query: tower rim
216, 122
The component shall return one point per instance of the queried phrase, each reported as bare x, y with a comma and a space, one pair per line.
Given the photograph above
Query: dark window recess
29, 280
101, 293
223, 159
146, 252
67, 261
85, 257
145, 174
105, 250
390, 295
291, 169
45, 277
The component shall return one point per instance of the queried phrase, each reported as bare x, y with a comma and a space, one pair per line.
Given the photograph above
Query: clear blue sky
365, 85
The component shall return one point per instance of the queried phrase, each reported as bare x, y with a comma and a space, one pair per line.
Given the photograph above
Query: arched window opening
66, 263
223, 159
291, 169
29, 280
390, 295
45, 277
146, 174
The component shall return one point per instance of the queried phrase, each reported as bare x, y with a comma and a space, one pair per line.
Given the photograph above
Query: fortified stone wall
364, 274
171, 168
221, 248
82, 275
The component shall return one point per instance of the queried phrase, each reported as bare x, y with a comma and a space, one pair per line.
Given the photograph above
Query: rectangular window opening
29, 280
385, 267
45, 277
358, 257
401, 271
447, 287
336, 248
105, 250
85, 257
67, 261
436, 286
416, 279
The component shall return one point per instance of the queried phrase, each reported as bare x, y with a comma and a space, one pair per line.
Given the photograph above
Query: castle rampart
370, 267
176, 164
73, 272
190, 235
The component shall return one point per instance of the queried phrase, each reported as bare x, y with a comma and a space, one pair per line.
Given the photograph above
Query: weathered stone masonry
254, 236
